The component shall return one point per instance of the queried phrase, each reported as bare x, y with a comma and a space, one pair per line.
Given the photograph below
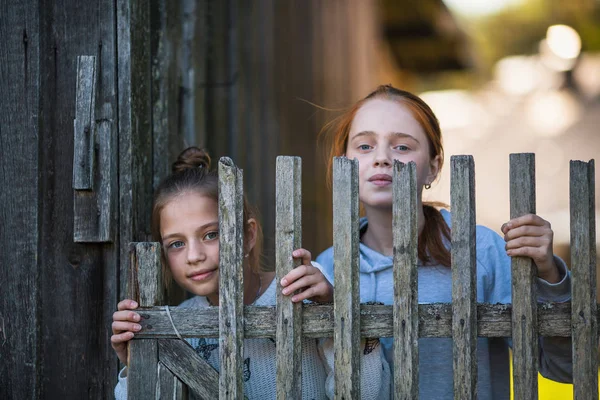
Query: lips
201, 275
381, 179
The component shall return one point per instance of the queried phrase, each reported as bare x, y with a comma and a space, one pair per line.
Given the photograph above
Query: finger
304, 256
120, 326
528, 219
296, 274
536, 253
528, 241
304, 282
303, 295
527, 230
117, 340
127, 304
126, 316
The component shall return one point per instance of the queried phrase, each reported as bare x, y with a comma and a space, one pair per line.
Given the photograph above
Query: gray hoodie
435, 286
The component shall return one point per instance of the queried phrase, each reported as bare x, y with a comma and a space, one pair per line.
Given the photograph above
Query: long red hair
336, 133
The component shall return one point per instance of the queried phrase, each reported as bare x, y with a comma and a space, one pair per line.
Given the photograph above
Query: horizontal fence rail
157, 354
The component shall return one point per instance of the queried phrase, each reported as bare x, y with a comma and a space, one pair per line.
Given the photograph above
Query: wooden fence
155, 366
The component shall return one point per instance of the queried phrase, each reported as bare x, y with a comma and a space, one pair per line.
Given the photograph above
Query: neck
255, 285
379, 231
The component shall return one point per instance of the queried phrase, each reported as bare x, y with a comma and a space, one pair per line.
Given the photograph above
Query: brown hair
336, 133
191, 173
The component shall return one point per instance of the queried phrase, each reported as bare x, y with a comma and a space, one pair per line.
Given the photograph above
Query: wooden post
464, 283
346, 276
146, 282
406, 293
524, 301
289, 315
231, 285
583, 281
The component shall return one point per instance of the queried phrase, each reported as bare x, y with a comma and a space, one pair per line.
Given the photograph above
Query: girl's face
383, 131
189, 228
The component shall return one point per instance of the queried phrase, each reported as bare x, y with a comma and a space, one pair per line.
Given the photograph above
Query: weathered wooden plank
167, 138
22, 187
135, 124
435, 320
464, 284
346, 269
406, 295
94, 186
193, 65
583, 280
195, 372
220, 77
146, 283
169, 386
84, 124
288, 237
231, 285
524, 317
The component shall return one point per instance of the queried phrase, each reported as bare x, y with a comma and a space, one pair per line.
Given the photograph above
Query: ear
251, 232
434, 168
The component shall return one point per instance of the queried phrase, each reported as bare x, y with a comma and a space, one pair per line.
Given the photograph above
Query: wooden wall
229, 75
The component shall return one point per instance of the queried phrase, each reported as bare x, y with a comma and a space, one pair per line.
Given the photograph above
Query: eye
175, 245
211, 235
402, 147
364, 147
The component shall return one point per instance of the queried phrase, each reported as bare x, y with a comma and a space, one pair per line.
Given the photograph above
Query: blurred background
250, 80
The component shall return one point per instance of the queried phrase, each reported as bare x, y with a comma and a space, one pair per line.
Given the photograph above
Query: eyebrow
394, 134
174, 234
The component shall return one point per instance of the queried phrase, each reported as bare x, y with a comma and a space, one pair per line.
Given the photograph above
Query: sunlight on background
480, 7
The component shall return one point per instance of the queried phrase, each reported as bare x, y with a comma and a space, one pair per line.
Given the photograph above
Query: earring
246, 255
427, 186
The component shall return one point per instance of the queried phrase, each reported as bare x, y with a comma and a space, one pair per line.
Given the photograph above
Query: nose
382, 158
195, 252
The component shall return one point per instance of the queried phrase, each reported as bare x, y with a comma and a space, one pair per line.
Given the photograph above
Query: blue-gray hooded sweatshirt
435, 286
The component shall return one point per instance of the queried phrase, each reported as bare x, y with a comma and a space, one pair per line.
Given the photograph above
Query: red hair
336, 133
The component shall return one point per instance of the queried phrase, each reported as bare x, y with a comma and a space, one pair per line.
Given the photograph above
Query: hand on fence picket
308, 280
531, 236
125, 323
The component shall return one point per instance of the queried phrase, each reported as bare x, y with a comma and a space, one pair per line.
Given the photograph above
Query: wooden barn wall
232, 75
265, 63
19, 194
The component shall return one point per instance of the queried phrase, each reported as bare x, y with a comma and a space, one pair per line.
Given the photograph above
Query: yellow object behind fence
548, 389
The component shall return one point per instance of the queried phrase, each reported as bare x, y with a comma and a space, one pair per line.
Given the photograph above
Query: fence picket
196, 373
346, 293
169, 386
231, 285
147, 289
464, 284
406, 295
583, 281
524, 301
154, 369
288, 237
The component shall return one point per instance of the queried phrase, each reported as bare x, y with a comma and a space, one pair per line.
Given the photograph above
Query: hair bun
190, 158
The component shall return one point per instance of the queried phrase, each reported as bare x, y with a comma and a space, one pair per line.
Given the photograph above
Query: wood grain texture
169, 386
21, 179
435, 320
84, 124
288, 237
183, 361
406, 294
524, 300
142, 374
231, 284
135, 125
583, 280
464, 280
346, 276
